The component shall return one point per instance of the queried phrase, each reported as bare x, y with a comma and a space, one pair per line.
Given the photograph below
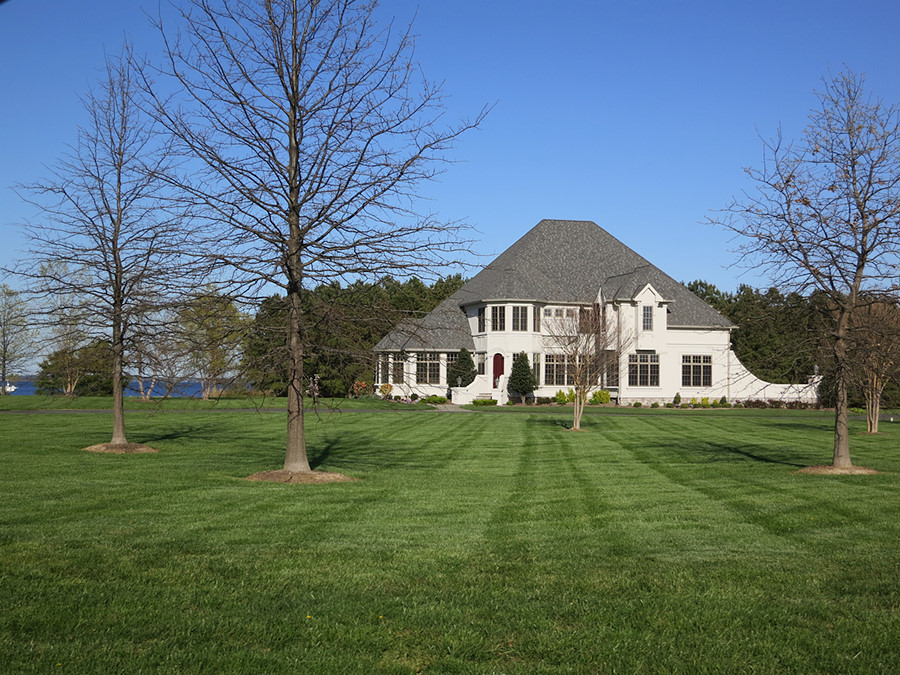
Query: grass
224, 403
474, 543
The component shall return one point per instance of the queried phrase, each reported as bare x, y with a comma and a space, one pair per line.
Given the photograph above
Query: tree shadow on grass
322, 453
755, 453
704, 452
358, 452
697, 450
183, 433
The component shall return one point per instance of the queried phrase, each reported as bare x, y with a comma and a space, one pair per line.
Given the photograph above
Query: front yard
667, 542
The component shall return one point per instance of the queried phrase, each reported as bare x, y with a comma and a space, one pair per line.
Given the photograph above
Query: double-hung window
498, 318
643, 370
397, 368
520, 317
647, 317
381, 369
555, 370
696, 370
481, 320
428, 368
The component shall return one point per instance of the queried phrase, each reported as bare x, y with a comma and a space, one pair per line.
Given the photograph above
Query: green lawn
473, 543
229, 403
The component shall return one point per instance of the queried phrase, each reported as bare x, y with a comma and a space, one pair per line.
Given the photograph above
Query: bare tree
143, 357
308, 129
824, 217
209, 332
156, 354
105, 226
590, 343
16, 334
63, 318
875, 354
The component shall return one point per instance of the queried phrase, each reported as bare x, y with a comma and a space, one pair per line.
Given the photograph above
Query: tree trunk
578, 409
295, 458
873, 391
841, 459
873, 408
118, 435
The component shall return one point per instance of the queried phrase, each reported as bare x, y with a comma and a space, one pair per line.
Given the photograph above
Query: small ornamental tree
462, 369
874, 354
521, 378
590, 343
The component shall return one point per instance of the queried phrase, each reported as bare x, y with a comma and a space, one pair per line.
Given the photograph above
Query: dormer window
648, 317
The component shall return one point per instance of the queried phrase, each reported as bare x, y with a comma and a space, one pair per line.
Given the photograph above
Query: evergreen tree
87, 371
345, 323
521, 378
463, 369
265, 365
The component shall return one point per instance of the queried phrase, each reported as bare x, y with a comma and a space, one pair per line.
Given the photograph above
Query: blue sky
636, 115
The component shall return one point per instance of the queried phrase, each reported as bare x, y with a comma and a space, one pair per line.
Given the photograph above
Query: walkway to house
450, 407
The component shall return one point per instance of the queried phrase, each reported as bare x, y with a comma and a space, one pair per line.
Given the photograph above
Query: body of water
189, 389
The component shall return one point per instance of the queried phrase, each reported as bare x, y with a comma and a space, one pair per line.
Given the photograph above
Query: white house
669, 340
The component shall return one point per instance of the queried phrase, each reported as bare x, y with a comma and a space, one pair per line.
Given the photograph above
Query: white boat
9, 388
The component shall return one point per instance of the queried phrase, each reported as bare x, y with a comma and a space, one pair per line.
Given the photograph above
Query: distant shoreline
188, 389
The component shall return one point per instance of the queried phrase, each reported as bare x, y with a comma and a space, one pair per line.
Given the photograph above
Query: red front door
498, 368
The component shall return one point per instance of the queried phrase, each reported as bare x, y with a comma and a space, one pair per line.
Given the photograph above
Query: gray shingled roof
557, 261
445, 328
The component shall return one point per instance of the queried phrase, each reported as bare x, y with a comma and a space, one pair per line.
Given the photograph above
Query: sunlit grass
472, 543
223, 403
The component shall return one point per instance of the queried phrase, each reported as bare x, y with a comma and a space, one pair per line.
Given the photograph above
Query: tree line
227, 349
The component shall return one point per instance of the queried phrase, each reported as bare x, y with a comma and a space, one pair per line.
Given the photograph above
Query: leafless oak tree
824, 216
591, 342
105, 238
308, 130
